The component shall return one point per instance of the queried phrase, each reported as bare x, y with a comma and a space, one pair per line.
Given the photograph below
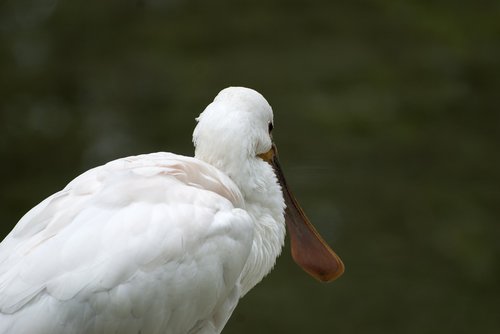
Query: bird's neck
264, 202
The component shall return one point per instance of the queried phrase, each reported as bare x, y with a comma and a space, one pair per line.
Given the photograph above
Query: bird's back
146, 244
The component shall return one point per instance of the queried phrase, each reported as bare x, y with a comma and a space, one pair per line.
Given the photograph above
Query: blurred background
386, 115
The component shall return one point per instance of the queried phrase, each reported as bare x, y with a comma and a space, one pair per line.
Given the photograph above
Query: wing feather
160, 239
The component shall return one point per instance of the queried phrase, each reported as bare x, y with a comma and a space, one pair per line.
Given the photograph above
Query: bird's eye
270, 127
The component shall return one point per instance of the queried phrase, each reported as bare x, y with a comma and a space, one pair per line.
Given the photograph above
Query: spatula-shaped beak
309, 250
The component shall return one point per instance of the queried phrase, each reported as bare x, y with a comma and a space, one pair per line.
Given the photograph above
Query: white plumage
158, 243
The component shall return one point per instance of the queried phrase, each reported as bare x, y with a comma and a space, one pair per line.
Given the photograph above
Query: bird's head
234, 127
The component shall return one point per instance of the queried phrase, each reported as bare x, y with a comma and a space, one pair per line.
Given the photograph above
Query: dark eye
270, 127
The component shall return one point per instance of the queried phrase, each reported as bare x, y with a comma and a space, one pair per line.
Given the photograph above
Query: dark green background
386, 117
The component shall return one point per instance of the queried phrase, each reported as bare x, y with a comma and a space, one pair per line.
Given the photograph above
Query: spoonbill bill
161, 243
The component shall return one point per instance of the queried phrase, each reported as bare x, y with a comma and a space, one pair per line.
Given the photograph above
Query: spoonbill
161, 243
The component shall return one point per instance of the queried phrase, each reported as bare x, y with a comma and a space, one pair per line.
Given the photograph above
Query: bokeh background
386, 115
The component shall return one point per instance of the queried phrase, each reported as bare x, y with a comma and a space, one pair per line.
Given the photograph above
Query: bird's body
142, 244
157, 243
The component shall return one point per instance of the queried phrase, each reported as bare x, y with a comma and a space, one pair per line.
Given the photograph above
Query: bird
159, 242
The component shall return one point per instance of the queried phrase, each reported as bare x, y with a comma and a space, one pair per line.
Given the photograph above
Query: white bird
161, 243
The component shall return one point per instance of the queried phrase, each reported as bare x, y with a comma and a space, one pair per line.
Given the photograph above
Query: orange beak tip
322, 269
